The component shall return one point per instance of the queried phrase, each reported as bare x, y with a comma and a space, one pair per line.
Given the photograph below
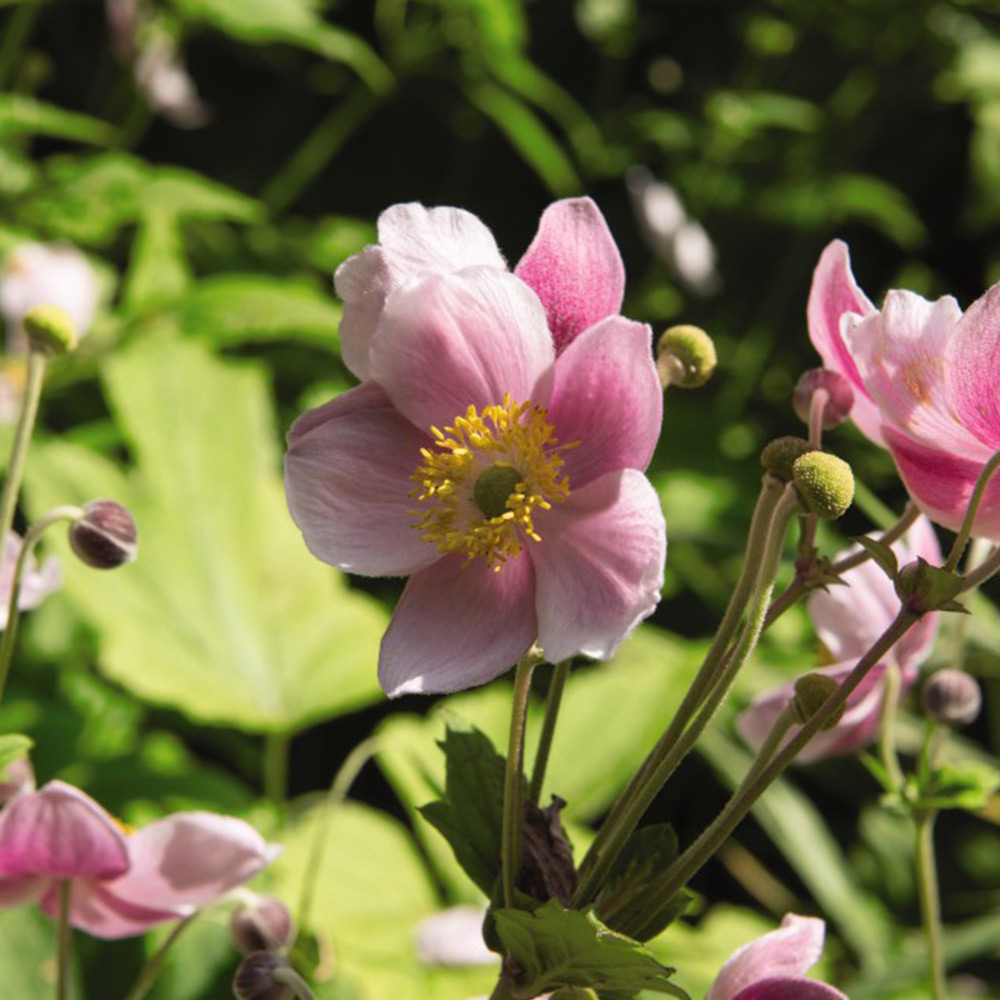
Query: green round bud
825, 484
811, 691
50, 330
493, 487
685, 357
780, 455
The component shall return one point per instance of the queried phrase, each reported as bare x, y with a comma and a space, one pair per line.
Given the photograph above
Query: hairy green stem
147, 975
968, 521
553, 702
930, 907
887, 725
35, 377
514, 780
64, 936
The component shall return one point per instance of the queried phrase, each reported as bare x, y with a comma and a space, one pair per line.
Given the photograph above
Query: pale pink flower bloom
533, 374
454, 937
123, 882
773, 967
36, 582
927, 384
163, 78
849, 619
47, 274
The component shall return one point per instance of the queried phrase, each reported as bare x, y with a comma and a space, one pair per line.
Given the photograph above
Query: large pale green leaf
372, 891
224, 614
27, 954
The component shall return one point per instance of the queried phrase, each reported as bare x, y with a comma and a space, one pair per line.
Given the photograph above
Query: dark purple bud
255, 979
952, 697
262, 925
840, 396
105, 537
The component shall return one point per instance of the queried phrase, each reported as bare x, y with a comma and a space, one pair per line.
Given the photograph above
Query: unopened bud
825, 484
811, 692
952, 697
264, 924
258, 978
839, 396
685, 357
50, 330
780, 455
105, 537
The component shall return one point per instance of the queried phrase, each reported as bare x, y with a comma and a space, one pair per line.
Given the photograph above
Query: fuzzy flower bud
50, 330
811, 691
255, 978
825, 484
264, 924
952, 697
105, 537
685, 357
780, 455
840, 396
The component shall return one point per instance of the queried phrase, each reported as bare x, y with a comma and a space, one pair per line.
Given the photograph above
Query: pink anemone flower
123, 882
36, 582
773, 967
926, 381
849, 619
494, 452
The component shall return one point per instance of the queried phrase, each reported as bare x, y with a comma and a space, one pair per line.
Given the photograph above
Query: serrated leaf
968, 785
224, 615
470, 816
13, 747
554, 947
881, 554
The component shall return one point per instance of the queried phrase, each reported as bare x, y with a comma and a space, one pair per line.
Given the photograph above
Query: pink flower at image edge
494, 452
123, 882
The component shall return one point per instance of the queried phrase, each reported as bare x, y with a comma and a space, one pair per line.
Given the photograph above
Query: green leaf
235, 308
26, 954
968, 785
555, 947
13, 747
158, 271
224, 615
470, 816
22, 115
882, 555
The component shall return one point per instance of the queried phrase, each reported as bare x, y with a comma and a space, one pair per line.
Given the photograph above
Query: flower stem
970, 514
510, 852
149, 972
930, 908
552, 703
31, 537
276, 747
291, 978
763, 558
64, 933
887, 725
22, 438
817, 407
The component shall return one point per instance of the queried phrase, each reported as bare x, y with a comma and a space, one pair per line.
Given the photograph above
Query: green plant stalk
292, 979
930, 908
35, 377
147, 975
64, 936
756, 783
887, 726
763, 558
552, 705
31, 537
276, 748
975, 500
341, 785
15, 38
510, 850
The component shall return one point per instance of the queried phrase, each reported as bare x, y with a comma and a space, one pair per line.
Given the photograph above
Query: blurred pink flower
495, 451
454, 937
773, 967
123, 882
926, 380
849, 619
36, 583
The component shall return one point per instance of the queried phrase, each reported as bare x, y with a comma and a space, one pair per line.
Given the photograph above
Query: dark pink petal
607, 397
414, 242
458, 340
900, 354
789, 951
15, 891
60, 832
574, 266
347, 477
833, 296
458, 625
789, 988
599, 565
190, 859
941, 484
973, 372
99, 912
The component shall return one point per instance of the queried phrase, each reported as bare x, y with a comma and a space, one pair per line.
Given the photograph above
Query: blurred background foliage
228, 670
